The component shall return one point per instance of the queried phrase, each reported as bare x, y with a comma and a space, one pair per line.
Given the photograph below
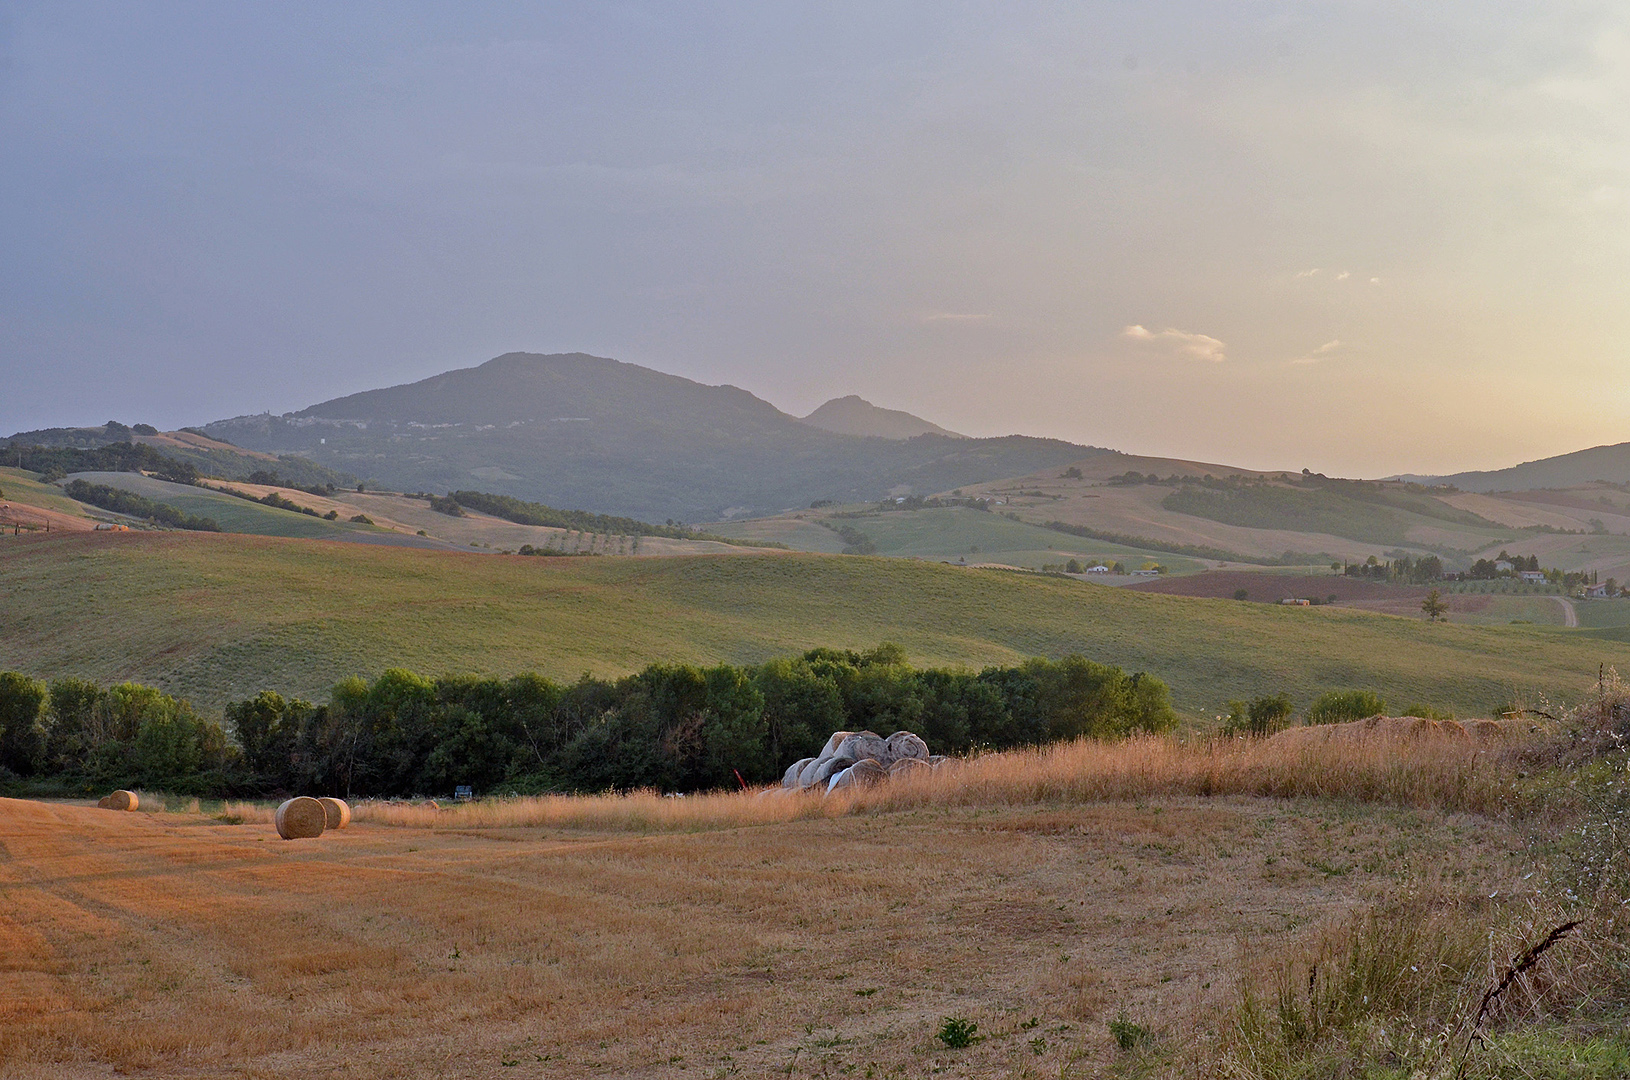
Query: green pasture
27, 488
217, 616
949, 534
232, 514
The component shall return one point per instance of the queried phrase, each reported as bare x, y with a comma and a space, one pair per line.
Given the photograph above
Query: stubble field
176, 944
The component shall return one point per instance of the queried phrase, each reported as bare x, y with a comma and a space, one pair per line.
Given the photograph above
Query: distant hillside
1610, 463
854, 415
585, 432
208, 456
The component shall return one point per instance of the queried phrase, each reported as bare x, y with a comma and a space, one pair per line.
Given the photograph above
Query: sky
1362, 237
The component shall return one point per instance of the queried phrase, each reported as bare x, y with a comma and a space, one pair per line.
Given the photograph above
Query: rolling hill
218, 617
854, 415
1582, 467
578, 431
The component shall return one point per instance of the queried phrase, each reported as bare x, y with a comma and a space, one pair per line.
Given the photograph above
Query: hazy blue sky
1361, 237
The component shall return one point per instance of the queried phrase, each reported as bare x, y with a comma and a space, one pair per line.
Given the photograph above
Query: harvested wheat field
175, 944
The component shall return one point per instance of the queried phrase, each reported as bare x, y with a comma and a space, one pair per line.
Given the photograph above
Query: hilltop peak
854, 415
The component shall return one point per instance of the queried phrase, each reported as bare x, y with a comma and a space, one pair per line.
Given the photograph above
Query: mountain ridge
580, 431
1609, 462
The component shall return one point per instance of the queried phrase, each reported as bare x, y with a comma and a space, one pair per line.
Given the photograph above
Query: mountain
579, 431
854, 415
1610, 463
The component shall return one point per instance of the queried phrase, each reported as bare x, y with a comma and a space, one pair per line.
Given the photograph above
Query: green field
216, 617
232, 514
27, 488
947, 534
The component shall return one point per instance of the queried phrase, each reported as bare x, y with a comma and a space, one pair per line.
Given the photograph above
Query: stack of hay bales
859, 758
119, 800
301, 818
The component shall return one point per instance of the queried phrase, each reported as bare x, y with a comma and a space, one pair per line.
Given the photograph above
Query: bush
362, 519
957, 1033
1341, 706
1129, 1036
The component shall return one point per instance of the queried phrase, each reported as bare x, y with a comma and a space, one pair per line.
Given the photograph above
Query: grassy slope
231, 513
949, 533
221, 616
27, 488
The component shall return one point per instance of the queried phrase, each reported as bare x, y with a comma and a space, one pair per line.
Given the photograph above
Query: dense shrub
1340, 706
671, 726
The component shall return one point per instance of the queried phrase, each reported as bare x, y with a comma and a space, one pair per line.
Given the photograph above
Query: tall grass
1430, 773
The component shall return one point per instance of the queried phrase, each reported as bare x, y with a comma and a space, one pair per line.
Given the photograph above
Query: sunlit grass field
218, 617
231, 513
952, 533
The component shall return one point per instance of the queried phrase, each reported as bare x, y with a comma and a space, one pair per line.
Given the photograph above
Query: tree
22, 733
1436, 610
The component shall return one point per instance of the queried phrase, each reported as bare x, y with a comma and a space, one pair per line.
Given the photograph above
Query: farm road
1570, 614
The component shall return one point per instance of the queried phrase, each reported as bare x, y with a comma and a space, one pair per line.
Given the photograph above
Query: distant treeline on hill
56, 462
121, 501
531, 513
673, 727
179, 464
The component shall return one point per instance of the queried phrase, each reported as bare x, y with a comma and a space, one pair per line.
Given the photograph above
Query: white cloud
1193, 346
1318, 355
1307, 273
1343, 276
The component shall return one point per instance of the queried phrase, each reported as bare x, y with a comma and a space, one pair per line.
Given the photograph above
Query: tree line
121, 501
673, 727
530, 513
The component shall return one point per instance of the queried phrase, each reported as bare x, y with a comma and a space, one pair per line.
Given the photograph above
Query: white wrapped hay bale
903, 746
790, 778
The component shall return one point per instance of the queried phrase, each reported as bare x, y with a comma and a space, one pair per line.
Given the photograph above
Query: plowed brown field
173, 944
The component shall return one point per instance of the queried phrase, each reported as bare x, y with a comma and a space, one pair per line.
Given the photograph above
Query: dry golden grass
1445, 773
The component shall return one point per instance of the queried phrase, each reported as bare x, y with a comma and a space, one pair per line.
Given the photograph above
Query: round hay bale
431, 804
839, 779
105, 802
123, 800
806, 775
336, 812
832, 744
910, 766
825, 770
301, 818
904, 746
862, 745
790, 778
866, 772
